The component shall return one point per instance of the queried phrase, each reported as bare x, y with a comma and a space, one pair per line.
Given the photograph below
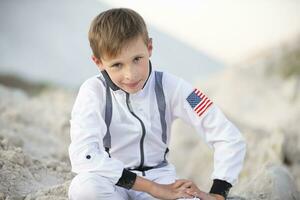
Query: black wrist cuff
127, 179
220, 187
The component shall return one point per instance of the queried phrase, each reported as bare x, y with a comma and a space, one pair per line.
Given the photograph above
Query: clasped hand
181, 189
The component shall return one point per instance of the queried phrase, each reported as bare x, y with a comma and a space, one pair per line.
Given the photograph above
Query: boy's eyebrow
138, 55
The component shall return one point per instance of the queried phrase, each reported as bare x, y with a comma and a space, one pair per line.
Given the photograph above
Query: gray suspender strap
108, 115
107, 119
161, 104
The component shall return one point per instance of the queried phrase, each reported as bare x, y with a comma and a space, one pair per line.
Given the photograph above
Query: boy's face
130, 69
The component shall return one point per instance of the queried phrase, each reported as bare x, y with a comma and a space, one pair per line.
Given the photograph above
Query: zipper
143, 129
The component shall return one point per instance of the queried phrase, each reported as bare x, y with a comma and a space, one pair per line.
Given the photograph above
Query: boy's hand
218, 197
206, 196
196, 192
179, 189
172, 191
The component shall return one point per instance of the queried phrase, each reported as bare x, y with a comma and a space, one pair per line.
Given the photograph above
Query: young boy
121, 120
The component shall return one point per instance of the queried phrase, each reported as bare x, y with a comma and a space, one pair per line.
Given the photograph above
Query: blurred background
244, 54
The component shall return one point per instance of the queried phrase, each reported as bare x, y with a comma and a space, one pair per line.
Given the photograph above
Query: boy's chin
131, 91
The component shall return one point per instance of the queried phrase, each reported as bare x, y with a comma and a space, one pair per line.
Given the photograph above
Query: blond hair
113, 28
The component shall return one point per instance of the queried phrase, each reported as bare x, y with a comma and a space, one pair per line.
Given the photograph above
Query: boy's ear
150, 47
98, 62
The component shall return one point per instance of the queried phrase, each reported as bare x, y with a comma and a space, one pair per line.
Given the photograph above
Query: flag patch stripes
199, 101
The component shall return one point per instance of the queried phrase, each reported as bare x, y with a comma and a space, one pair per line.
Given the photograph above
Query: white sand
33, 141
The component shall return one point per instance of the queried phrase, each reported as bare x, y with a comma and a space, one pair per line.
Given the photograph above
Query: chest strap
161, 104
108, 116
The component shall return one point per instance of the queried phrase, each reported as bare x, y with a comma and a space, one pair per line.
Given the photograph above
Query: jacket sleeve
87, 130
212, 125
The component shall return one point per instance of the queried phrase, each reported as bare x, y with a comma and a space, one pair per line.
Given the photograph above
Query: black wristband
220, 187
127, 179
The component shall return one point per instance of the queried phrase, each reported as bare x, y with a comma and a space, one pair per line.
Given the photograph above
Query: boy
120, 126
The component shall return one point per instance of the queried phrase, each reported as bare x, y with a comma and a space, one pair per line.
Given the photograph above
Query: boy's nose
130, 73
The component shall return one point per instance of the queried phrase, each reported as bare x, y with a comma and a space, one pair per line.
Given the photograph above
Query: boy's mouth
132, 85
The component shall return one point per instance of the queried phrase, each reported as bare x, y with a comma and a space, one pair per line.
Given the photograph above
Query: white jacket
139, 130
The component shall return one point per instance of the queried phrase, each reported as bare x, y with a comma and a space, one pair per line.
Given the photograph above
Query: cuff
220, 187
127, 179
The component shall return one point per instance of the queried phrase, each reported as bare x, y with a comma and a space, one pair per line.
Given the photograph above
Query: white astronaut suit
116, 136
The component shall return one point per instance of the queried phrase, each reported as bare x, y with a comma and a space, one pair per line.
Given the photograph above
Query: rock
32, 134
2, 196
270, 183
58, 192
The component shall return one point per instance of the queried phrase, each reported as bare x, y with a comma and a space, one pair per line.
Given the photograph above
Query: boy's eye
137, 59
117, 65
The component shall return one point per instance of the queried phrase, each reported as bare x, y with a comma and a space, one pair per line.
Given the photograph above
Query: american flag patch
199, 102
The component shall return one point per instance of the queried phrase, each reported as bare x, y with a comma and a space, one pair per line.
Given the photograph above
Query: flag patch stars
199, 102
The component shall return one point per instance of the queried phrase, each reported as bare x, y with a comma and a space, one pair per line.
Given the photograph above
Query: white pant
91, 186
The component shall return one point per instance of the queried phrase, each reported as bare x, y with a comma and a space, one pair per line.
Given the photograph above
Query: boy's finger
202, 195
194, 193
179, 182
187, 184
184, 194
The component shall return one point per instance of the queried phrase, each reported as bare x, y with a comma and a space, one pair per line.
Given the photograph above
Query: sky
227, 29
47, 40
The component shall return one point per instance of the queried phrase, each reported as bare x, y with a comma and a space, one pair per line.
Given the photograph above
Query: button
88, 157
